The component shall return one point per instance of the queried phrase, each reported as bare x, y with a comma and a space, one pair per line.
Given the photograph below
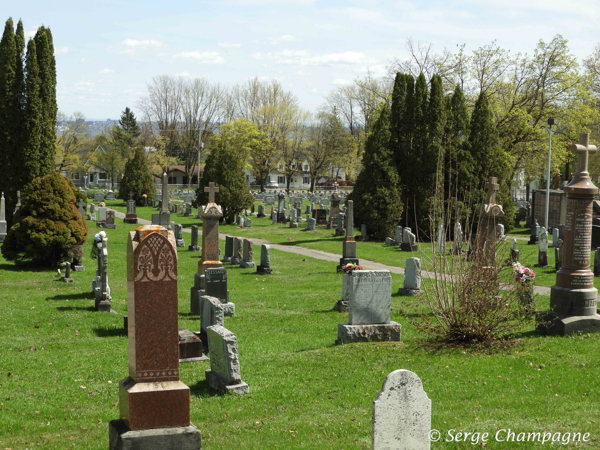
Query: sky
108, 51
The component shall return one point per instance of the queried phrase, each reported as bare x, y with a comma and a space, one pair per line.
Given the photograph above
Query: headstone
191, 348
67, 278
557, 207
363, 232
294, 219
389, 242
99, 197
309, 209
100, 285
339, 228
264, 267
543, 251
370, 309
179, 235
194, 247
514, 253
335, 208
399, 235
163, 218
110, 195
281, 208
349, 244
153, 336
320, 215
440, 243
102, 213
215, 284
412, 277
131, 216
458, 239
188, 210
402, 414
409, 241
3, 225
110, 220
261, 211
247, 255
224, 374
311, 224
81, 208
573, 297
555, 237
500, 231
535, 233
212, 314
237, 250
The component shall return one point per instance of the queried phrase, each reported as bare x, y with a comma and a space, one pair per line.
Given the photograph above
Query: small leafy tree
47, 225
377, 195
137, 179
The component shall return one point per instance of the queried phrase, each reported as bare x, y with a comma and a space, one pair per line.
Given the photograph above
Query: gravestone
555, 237
228, 248
194, 247
514, 253
363, 232
500, 232
440, 243
389, 242
110, 220
458, 239
281, 208
339, 228
18, 205
110, 195
102, 214
557, 258
535, 233
212, 314
399, 235
349, 244
412, 277
294, 219
191, 348
215, 283
211, 253
557, 207
261, 211
99, 197
153, 337
270, 200
81, 208
247, 255
100, 285
573, 297
188, 210
311, 224
224, 373
3, 225
402, 414
67, 278
369, 309
179, 235
273, 217
409, 241
543, 250
335, 208
163, 218
76, 253
264, 268
309, 209
131, 216
236, 258
320, 215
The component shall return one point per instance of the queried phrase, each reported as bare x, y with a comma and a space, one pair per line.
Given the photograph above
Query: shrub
137, 179
48, 225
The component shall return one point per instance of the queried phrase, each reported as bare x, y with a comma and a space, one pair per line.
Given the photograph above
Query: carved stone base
131, 220
178, 438
103, 304
406, 247
193, 248
180, 242
549, 322
347, 333
409, 292
190, 347
261, 270
66, 280
218, 384
344, 261
78, 268
341, 306
247, 264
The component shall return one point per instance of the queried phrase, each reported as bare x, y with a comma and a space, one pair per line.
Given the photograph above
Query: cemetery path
326, 256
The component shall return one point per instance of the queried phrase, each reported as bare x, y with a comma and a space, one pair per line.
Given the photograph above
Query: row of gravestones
405, 238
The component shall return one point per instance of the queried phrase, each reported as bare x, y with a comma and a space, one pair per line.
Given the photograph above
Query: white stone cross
492, 187
582, 150
211, 189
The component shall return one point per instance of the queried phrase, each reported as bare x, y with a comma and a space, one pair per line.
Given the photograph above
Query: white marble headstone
543, 240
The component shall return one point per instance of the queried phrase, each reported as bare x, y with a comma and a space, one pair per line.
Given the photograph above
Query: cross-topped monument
212, 190
582, 150
492, 187
130, 195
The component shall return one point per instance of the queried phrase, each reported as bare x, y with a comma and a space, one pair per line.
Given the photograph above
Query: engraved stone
224, 374
370, 298
265, 260
212, 313
247, 257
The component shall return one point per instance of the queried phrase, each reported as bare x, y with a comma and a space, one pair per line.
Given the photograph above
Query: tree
225, 166
137, 179
71, 142
47, 225
377, 195
129, 123
114, 153
323, 144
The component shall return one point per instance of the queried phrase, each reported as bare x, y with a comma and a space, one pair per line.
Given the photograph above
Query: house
93, 176
177, 176
300, 180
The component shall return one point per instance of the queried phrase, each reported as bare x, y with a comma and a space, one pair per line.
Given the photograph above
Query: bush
137, 179
48, 225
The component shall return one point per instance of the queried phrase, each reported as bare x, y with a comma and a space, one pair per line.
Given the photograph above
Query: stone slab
551, 323
217, 383
177, 438
370, 297
386, 332
190, 345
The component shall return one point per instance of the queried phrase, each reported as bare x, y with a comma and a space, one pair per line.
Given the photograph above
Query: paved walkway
325, 256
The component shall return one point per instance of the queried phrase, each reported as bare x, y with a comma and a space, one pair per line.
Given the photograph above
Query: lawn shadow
202, 389
25, 267
75, 296
109, 332
302, 350
76, 308
308, 241
321, 311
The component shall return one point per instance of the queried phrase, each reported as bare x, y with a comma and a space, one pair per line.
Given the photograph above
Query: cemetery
404, 282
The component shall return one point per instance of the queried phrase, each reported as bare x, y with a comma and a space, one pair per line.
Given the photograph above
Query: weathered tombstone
3, 225
191, 348
110, 220
110, 195
339, 228
93, 212
228, 249
335, 207
458, 239
309, 209
543, 250
440, 243
535, 233
100, 285
188, 210
215, 283
281, 208
320, 215
212, 313
573, 297
500, 231
247, 255
514, 253
412, 277
485, 245
264, 267
555, 237
153, 351
194, 247
81, 208
293, 219
402, 414
211, 253
389, 242
399, 235
237, 250
370, 309
131, 216
409, 241
102, 213
179, 235
67, 278
363, 232
261, 211
163, 218
224, 374
349, 244
76, 254
99, 197
311, 224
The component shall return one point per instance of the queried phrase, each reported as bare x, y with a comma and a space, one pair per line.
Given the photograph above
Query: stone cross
582, 150
130, 195
212, 190
492, 187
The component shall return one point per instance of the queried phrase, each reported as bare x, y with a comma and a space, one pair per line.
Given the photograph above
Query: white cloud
202, 57
31, 33
376, 70
340, 81
107, 70
305, 58
61, 51
277, 40
83, 60
85, 83
141, 43
229, 45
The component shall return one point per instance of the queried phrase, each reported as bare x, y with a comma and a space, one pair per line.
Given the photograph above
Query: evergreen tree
8, 132
137, 179
19, 90
129, 123
29, 162
377, 194
47, 77
398, 100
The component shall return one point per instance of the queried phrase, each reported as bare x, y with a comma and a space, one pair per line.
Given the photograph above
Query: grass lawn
62, 361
